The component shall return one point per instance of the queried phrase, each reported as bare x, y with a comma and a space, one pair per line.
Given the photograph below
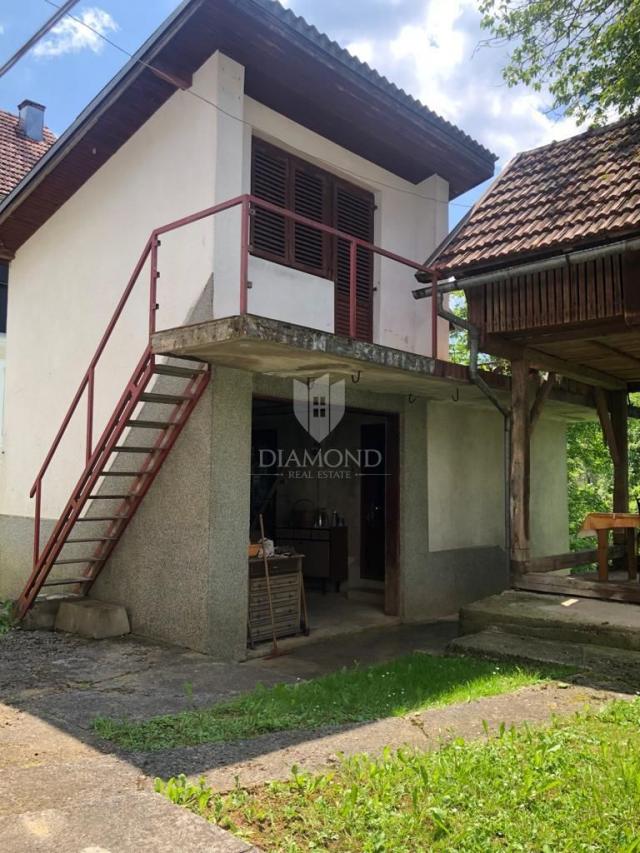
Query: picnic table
600, 524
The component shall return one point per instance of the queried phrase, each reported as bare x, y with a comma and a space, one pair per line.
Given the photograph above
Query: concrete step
617, 665
556, 617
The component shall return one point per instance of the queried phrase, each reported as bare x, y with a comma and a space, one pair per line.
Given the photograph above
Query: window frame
331, 184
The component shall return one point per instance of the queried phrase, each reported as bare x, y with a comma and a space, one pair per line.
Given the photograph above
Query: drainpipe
474, 351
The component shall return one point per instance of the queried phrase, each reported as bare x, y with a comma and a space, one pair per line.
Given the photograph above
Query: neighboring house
23, 141
549, 260
226, 99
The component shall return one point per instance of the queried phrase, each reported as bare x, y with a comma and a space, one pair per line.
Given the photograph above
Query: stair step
77, 560
111, 497
90, 539
170, 370
124, 449
126, 473
171, 399
149, 424
102, 518
66, 581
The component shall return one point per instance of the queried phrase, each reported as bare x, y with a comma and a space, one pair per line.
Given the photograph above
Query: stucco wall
66, 280
186, 157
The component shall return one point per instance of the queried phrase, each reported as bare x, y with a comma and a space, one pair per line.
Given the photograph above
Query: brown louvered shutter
270, 182
354, 212
311, 248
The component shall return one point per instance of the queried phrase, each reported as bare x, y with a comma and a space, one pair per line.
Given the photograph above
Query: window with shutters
291, 183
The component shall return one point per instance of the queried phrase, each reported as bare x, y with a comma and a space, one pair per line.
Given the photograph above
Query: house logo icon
319, 405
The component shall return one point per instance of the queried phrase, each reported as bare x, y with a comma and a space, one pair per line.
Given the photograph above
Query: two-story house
268, 348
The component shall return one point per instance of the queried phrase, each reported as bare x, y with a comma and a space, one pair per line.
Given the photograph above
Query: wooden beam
620, 429
602, 406
542, 395
543, 361
556, 562
520, 468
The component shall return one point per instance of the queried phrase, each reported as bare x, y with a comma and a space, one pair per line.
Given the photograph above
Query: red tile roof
18, 155
578, 192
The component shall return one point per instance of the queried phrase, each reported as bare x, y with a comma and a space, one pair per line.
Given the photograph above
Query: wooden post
520, 464
617, 401
620, 428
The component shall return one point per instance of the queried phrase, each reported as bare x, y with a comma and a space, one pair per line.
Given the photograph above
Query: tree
585, 52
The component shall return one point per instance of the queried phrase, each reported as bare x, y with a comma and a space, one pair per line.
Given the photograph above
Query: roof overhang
289, 67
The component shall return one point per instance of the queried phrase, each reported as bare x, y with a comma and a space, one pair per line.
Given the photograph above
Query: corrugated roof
18, 155
322, 40
578, 192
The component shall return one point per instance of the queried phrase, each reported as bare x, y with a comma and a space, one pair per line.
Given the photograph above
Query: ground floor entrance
329, 504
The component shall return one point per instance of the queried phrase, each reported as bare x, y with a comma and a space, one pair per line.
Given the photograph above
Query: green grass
7, 619
354, 695
572, 787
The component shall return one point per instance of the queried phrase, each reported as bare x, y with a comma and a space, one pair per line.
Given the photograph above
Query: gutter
579, 256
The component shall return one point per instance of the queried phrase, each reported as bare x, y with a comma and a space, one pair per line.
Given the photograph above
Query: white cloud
464, 84
73, 36
430, 48
362, 49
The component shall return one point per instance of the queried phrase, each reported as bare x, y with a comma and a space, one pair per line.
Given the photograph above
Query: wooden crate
286, 595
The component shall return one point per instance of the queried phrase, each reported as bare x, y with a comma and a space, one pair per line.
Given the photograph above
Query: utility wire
35, 38
165, 76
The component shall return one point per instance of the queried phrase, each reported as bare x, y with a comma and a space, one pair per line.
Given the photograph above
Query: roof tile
18, 155
575, 192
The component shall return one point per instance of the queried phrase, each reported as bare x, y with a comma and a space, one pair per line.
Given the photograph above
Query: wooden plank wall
564, 296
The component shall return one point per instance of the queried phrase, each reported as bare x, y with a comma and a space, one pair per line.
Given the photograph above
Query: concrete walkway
63, 790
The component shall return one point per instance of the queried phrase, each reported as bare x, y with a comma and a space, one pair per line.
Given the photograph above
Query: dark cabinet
326, 551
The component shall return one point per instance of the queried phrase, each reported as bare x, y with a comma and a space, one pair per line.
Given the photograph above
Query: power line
35, 38
165, 76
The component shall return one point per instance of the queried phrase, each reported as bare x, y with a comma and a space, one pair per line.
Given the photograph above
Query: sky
431, 48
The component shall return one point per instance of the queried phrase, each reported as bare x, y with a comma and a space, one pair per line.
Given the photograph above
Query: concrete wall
181, 567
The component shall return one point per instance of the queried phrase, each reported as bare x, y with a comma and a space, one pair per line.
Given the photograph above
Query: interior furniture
600, 524
285, 574
325, 549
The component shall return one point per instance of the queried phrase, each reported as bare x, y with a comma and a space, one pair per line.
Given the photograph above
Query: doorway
334, 503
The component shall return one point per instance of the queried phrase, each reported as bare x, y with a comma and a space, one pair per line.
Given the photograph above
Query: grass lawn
572, 787
410, 683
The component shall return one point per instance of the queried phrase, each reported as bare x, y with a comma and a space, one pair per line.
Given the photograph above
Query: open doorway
335, 503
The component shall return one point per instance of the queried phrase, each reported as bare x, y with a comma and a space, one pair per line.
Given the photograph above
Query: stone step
618, 665
556, 617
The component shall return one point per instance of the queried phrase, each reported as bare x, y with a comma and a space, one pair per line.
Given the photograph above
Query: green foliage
570, 788
586, 52
351, 695
7, 618
590, 473
181, 792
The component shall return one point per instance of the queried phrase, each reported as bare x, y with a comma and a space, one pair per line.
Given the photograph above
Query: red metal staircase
98, 509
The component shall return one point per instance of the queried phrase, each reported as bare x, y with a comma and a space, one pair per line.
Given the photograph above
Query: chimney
31, 120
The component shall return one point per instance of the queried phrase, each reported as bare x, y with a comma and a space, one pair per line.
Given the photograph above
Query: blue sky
429, 47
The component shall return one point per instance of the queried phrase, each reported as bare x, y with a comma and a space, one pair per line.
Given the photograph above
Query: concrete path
271, 757
63, 790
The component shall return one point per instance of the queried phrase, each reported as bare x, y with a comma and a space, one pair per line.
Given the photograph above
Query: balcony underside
271, 347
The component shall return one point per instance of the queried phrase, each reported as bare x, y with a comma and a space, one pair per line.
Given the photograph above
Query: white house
245, 101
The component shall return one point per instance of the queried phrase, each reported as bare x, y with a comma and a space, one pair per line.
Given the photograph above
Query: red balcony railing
247, 204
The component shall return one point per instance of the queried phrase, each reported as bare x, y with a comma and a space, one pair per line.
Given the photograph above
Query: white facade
65, 281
